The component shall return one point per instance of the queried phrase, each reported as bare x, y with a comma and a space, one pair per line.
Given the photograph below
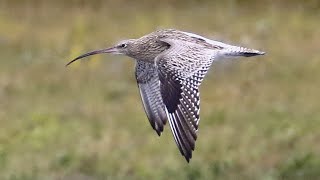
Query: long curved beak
100, 51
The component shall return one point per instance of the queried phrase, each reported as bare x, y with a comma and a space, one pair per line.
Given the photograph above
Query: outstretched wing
149, 87
181, 69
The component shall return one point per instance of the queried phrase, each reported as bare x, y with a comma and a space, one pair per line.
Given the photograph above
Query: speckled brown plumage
171, 65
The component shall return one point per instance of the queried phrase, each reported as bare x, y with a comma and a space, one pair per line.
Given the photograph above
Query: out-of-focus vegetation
260, 116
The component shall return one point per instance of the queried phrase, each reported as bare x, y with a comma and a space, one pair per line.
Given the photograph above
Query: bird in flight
170, 66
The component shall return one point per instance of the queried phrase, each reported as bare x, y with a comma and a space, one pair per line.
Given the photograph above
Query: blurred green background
260, 116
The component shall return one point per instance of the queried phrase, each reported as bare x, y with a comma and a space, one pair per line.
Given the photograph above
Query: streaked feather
149, 87
181, 69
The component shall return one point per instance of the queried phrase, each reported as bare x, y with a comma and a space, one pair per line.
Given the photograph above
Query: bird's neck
148, 49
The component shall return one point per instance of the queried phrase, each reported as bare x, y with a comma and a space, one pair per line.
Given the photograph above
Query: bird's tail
240, 51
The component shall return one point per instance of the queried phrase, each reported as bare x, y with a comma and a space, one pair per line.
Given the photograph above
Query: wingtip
188, 156
159, 133
187, 159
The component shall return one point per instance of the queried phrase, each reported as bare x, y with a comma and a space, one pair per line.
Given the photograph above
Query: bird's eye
123, 45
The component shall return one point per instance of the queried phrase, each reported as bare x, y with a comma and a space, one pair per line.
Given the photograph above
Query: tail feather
241, 51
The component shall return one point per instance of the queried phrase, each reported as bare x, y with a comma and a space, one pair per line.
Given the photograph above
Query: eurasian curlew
170, 66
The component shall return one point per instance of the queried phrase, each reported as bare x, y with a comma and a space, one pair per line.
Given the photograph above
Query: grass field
260, 117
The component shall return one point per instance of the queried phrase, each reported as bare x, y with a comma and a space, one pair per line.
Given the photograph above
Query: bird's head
123, 47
